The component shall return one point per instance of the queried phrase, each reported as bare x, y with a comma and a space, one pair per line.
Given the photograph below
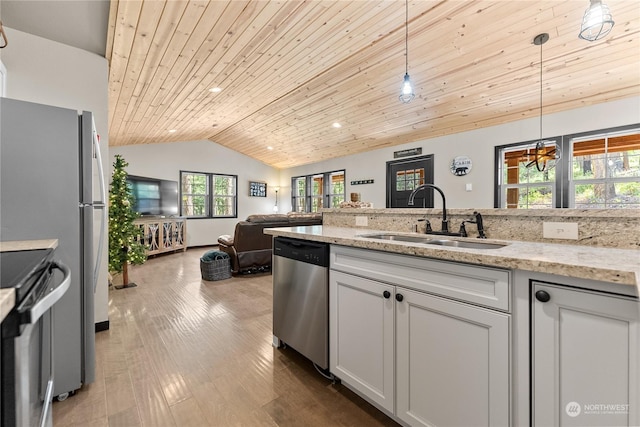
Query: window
309, 193
408, 180
523, 185
593, 170
208, 195
606, 171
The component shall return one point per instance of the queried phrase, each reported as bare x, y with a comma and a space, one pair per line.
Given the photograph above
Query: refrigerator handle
96, 265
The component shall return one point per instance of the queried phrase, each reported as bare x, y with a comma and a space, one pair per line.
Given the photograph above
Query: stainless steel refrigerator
51, 187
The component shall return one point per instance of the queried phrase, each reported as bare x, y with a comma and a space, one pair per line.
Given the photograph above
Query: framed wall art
257, 189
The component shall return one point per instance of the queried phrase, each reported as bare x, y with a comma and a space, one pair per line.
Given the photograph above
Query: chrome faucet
445, 222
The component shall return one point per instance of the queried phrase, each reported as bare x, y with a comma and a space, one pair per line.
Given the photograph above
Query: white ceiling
78, 23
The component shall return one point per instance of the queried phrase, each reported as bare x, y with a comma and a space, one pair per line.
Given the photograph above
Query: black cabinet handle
386, 294
399, 297
543, 296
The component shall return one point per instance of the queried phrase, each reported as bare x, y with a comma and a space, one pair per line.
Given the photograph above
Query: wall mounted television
154, 196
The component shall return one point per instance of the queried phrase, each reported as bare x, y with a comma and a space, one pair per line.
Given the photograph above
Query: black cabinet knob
543, 296
386, 294
399, 297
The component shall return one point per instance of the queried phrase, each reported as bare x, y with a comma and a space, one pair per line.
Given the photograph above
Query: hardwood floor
181, 351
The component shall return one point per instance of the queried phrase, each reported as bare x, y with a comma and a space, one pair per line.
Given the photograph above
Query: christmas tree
124, 248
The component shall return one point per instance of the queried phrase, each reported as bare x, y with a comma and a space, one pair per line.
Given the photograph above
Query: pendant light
597, 22
406, 95
542, 155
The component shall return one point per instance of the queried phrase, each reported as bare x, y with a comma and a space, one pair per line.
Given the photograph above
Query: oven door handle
44, 304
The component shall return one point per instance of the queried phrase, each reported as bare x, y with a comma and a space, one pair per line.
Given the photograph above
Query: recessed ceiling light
215, 89
269, 148
172, 130
336, 125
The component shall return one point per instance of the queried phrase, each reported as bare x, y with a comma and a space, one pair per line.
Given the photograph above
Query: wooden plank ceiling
290, 69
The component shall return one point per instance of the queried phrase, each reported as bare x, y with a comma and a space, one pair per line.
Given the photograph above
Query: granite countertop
621, 266
28, 245
7, 300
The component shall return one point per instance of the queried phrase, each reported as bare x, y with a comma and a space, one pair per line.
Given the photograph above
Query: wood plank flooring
181, 351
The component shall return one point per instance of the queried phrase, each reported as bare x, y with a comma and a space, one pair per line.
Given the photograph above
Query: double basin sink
430, 240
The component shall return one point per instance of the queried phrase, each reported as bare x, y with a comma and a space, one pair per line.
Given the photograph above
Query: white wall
166, 160
477, 144
47, 72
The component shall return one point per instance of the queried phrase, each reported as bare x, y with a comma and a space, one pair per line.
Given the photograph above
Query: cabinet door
452, 362
586, 358
180, 233
361, 331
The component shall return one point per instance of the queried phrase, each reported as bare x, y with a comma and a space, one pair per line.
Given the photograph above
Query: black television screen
154, 196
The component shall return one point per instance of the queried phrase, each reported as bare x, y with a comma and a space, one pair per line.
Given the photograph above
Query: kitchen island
511, 335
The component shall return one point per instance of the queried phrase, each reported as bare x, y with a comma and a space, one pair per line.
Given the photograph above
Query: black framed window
208, 195
309, 193
599, 169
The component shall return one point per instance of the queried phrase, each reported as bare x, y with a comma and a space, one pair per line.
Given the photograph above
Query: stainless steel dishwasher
301, 297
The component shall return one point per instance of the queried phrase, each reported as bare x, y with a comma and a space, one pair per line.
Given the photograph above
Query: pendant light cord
541, 91
406, 36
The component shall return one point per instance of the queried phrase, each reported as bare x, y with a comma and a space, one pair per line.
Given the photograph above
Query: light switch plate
361, 221
469, 186
560, 230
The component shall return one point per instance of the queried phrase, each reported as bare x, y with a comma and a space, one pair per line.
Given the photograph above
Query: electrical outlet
560, 230
362, 221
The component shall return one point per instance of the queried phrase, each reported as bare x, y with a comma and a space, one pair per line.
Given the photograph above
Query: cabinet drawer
484, 286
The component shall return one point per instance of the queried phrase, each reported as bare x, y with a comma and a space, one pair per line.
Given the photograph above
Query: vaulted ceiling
288, 70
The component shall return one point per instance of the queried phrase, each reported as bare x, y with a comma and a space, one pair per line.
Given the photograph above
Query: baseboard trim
102, 326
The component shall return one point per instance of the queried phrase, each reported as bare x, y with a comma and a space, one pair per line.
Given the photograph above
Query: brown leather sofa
250, 249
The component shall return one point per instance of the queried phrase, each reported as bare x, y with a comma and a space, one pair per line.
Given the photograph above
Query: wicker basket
215, 265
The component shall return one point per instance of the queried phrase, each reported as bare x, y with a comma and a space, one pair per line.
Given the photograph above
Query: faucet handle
463, 229
428, 228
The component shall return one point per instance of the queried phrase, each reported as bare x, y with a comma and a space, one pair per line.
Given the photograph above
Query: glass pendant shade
407, 90
597, 21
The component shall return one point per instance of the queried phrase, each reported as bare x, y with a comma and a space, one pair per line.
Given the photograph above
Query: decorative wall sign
460, 165
362, 181
257, 189
407, 153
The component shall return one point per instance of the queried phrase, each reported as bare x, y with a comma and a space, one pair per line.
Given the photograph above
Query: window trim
210, 196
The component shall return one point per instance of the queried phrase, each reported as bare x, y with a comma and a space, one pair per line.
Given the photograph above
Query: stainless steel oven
26, 335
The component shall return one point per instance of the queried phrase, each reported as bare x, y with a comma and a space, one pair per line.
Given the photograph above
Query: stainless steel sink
398, 237
465, 244
429, 240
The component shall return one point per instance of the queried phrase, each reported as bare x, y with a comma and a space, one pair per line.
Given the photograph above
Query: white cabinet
362, 336
394, 328
586, 358
452, 362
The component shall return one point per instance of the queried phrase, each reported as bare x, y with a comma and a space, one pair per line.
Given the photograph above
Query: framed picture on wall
257, 189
